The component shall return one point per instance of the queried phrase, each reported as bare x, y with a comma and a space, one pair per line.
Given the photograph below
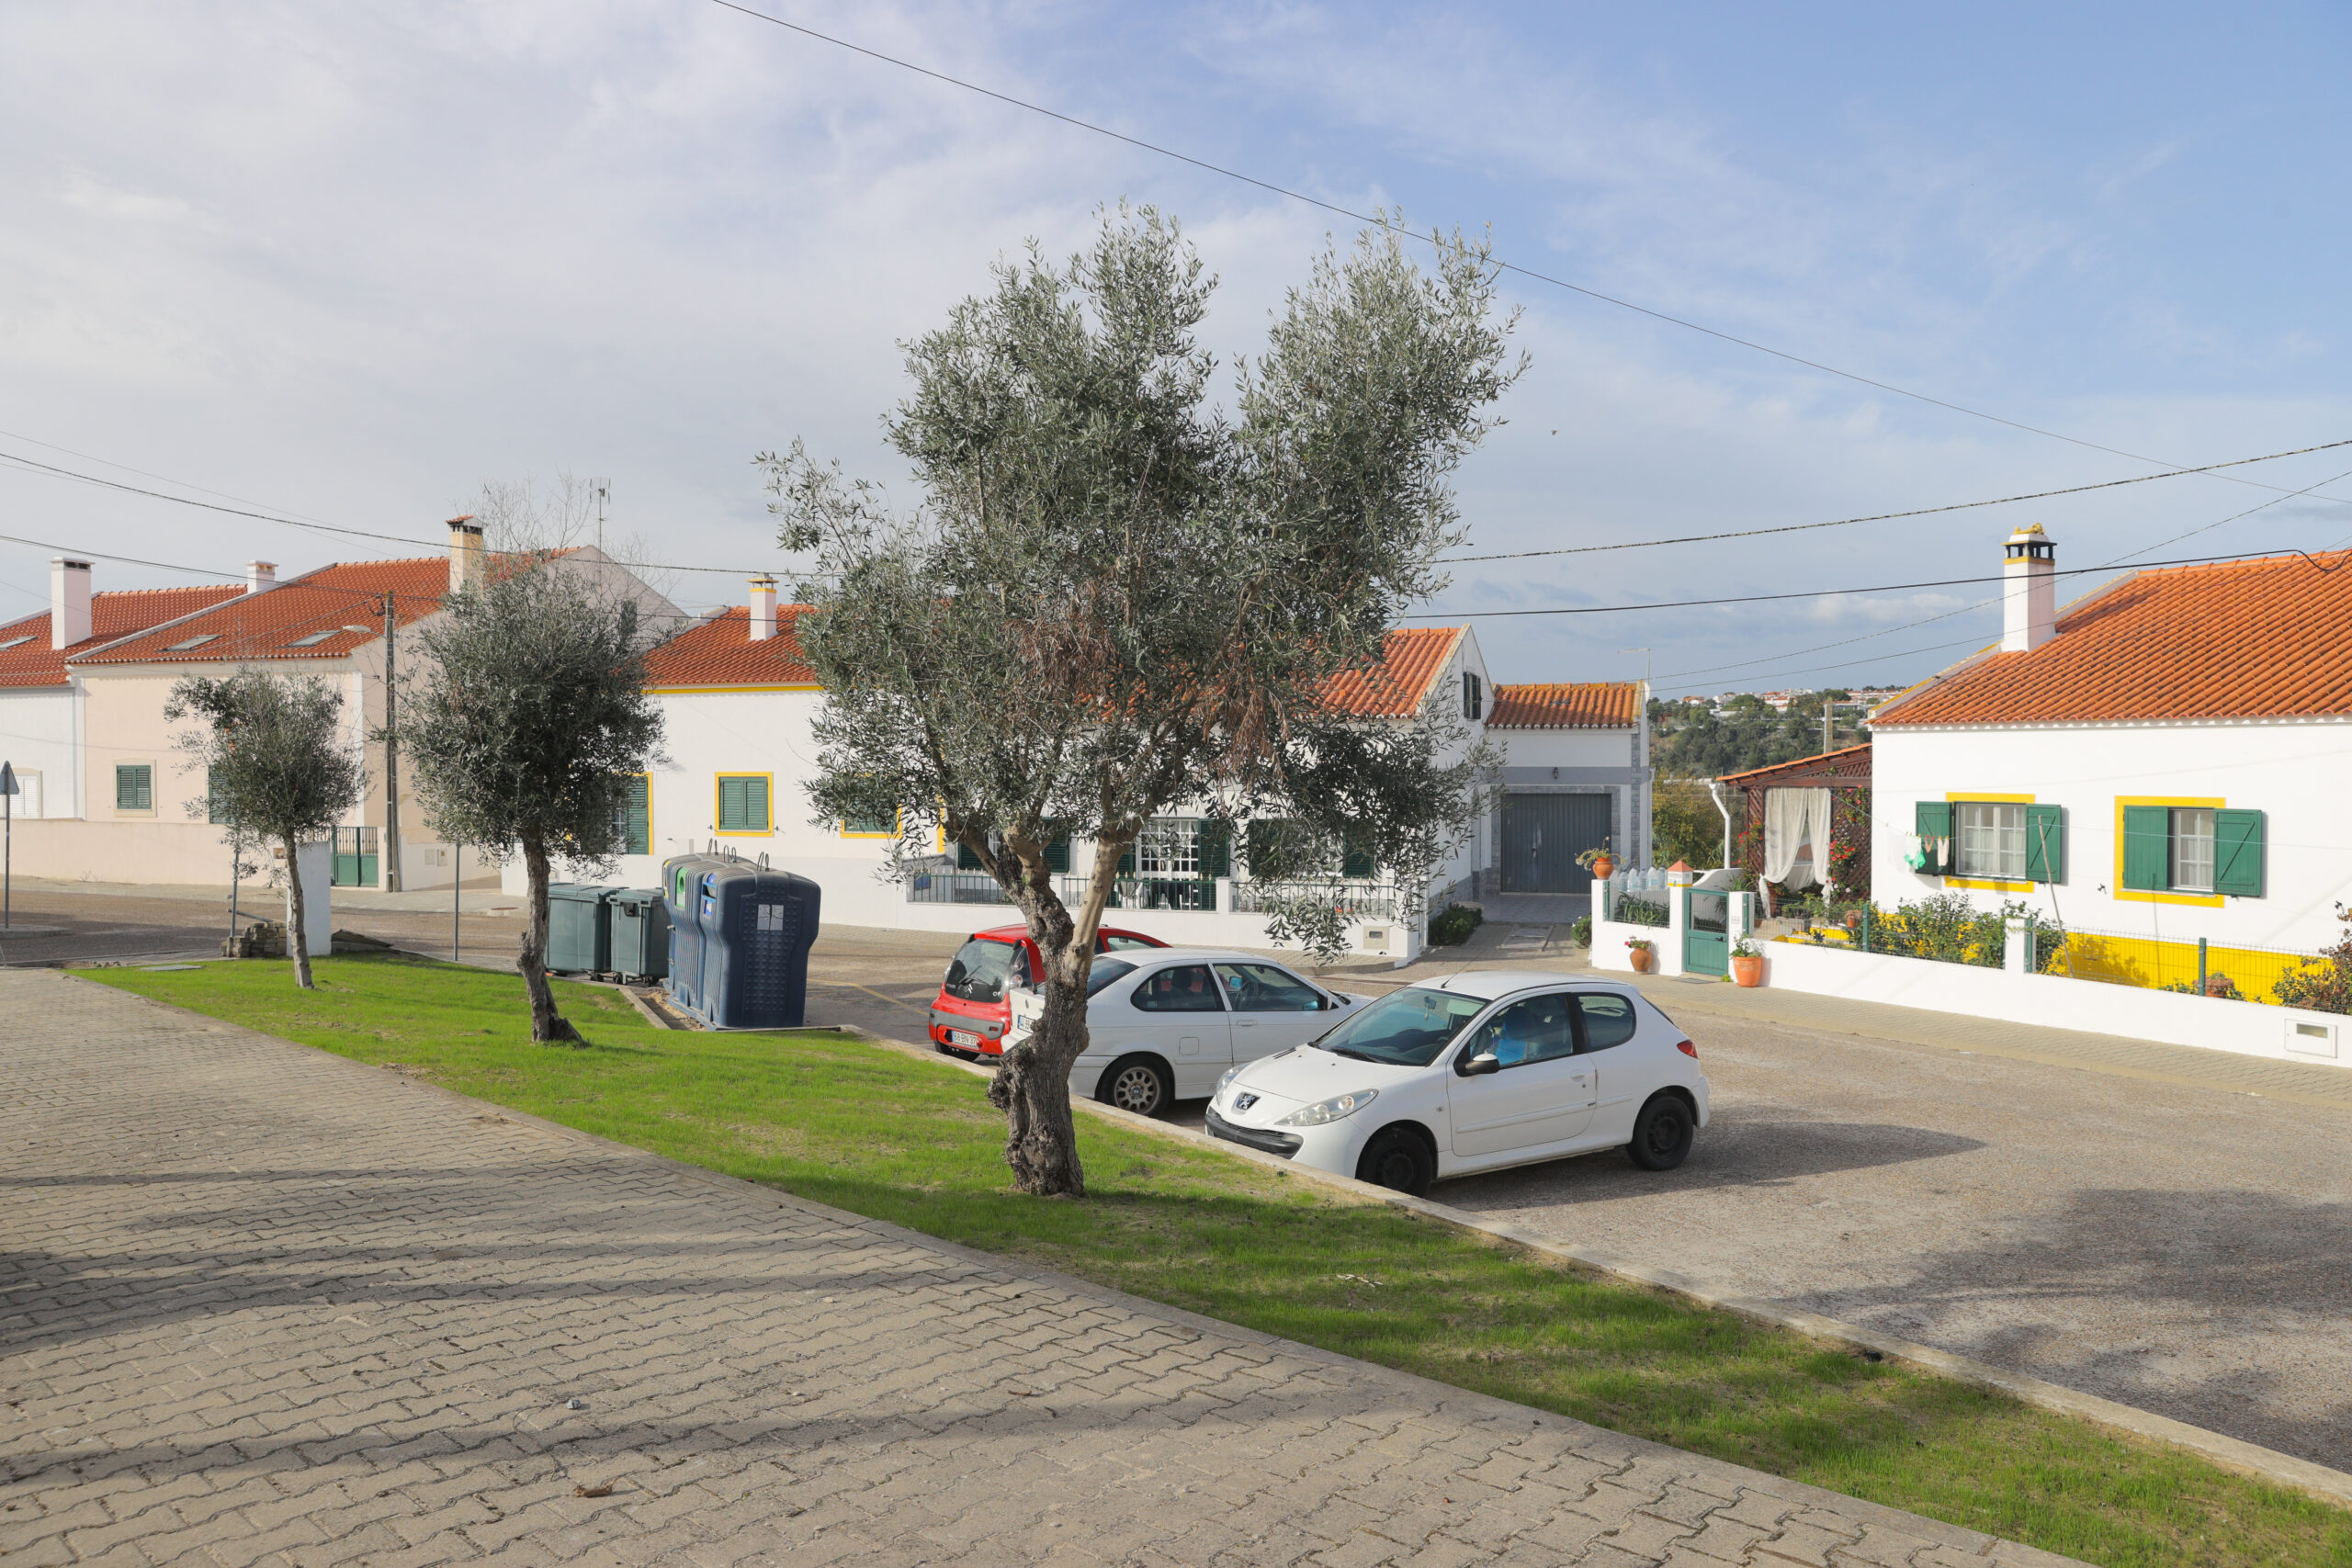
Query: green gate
1706, 931
354, 858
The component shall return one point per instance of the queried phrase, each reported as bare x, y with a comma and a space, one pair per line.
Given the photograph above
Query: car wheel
1394, 1158
1662, 1133
1140, 1084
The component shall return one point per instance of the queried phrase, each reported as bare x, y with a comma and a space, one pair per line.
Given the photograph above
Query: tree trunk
298, 943
1032, 1083
548, 1027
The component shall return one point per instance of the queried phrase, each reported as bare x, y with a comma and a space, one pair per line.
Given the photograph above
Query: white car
1474, 1072
1166, 1023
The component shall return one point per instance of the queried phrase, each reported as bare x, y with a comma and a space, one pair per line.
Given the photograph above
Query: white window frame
2192, 831
1169, 846
1991, 839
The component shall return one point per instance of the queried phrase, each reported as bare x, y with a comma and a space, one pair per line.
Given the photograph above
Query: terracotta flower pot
1642, 959
1748, 971
1602, 867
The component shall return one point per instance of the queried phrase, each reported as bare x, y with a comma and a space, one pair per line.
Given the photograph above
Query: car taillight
1687, 1049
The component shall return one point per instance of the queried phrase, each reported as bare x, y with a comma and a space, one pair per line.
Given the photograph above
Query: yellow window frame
2124, 895
899, 819
717, 784
1989, 884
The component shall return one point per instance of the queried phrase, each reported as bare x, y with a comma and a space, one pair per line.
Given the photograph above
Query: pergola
1845, 771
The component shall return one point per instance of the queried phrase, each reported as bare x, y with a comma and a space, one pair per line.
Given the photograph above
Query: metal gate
354, 863
1706, 931
1542, 835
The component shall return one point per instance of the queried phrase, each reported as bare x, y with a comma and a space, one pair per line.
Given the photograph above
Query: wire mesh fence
2238, 970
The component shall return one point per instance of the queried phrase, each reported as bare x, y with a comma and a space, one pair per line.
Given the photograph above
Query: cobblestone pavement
263, 1306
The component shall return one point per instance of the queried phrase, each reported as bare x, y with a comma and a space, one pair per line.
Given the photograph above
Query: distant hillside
1691, 741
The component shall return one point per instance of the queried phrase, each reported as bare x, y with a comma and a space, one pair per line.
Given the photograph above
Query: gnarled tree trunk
298, 941
1032, 1084
548, 1027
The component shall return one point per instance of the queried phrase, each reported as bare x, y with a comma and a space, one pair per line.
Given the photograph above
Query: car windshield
979, 970
1406, 1028
1105, 971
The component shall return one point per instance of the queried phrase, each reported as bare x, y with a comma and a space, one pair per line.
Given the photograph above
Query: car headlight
1331, 1110
1231, 1074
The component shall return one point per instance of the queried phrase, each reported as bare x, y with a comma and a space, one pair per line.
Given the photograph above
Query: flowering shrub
2325, 985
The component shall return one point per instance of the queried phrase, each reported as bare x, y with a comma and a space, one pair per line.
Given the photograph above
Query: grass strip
875, 1132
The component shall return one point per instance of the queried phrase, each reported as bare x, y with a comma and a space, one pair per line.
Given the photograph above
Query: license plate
962, 1037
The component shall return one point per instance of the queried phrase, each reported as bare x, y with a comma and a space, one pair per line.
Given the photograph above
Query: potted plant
1597, 862
1645, 954
1747, 964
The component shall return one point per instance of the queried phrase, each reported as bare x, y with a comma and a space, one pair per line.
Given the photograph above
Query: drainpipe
1715, 789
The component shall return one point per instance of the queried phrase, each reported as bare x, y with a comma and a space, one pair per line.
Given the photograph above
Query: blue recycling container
756, 927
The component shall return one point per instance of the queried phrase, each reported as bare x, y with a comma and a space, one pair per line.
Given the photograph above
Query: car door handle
1245, 1023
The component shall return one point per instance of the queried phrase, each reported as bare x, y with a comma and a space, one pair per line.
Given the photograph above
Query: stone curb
2231, 1453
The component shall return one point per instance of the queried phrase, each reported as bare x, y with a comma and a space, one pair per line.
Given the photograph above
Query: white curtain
1796, 834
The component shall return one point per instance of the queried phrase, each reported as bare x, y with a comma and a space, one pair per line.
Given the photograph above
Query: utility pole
392, 758
8, 842
603, 491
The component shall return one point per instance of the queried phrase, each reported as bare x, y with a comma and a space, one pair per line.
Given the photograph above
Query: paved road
263, 1307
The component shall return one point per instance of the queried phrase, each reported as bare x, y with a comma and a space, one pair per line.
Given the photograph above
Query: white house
1575, 776
2163, 761
738, 701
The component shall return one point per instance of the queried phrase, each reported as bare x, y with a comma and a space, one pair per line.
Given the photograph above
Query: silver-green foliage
1116, 596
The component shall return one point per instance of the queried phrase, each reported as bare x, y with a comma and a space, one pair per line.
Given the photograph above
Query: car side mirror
1479, 1065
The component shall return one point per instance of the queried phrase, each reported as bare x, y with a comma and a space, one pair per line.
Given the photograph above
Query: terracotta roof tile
266, 626
114, 615
720, 652
2240, 639
1586, 705
1412, 658
1847, 761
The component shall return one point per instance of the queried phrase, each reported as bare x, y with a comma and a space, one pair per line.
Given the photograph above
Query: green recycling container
641, 927
579, 930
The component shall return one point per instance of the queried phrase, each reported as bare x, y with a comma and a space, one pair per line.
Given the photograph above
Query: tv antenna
603, 491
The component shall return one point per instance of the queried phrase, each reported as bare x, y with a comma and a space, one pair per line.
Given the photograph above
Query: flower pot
1602, 868
1748, 971
1642, 959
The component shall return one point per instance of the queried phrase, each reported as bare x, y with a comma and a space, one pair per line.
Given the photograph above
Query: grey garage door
1542, 835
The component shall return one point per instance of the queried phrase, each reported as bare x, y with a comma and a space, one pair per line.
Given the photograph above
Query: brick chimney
2029, 591
69, 601
469, 569
260, 576
762, 608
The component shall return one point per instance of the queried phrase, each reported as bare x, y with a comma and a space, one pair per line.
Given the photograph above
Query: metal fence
1356, 900
2244, 971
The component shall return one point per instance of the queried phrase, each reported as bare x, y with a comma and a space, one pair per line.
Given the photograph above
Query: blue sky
352, 262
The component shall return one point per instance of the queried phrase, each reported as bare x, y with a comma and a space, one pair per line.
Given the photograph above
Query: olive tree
281, 768
1116, 597
525, 727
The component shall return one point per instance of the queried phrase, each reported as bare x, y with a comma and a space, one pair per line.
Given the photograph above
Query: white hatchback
1165, 1023
1475, 1072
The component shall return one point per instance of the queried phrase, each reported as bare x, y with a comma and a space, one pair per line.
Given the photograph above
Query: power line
1928, 511
1381, 221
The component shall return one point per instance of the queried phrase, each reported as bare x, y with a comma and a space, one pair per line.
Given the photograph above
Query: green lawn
877, 1132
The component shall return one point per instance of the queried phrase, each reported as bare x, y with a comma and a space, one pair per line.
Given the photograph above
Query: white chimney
69, 601
260, 576
467, 566
762, 608
2028, 592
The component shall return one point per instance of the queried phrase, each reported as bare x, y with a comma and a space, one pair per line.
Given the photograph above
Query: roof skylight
192, 642
16, 641
315, 637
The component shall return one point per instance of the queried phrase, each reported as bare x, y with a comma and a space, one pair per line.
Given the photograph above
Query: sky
351, 263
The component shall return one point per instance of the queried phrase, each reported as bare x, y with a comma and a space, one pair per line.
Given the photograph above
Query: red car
972, 1011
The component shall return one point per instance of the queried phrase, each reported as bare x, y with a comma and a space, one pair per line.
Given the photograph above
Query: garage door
1542, 835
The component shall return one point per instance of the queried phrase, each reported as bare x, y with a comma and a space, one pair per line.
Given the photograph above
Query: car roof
1490, 984
1198, 955
1021, 933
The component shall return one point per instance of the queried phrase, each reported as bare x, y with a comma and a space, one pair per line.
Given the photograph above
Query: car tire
1396, 1158
1662, 1133
1140, 1084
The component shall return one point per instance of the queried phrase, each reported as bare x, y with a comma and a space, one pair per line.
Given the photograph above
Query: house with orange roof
739, 701
119, 803
2161, 760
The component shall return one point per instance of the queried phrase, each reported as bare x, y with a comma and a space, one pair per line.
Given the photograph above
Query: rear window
1119, 942
980, 969
1105, 971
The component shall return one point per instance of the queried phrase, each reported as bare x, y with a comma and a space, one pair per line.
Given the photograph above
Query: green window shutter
1216, 849
2045, 843
2148, 847
734, 813
2237, 852
1057, 856
1263, 838
636, 817
1128, 862
1932, 819
755, 803
134, 788
1355, 857
213, 811
966, 859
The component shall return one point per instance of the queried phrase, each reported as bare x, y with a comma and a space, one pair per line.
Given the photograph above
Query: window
1536, 1030
1120, 943
1406, 1028
214, 812
1262, 987
1105, 971
1991, 839
637, 816
1169, 846
1608, 1020
2196, 849
314, 638
14, 642
134, 786
742, 803
1185, 988
1474, 695
191, 642
981, 968
871, 827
